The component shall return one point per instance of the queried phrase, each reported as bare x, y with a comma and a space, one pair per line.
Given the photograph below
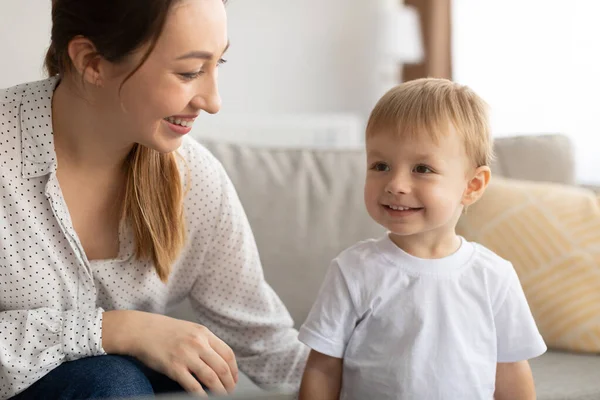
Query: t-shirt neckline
448, 264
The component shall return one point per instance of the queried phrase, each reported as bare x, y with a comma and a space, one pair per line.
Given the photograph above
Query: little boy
421, 313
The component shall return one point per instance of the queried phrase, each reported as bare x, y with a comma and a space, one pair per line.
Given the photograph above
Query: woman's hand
184, 351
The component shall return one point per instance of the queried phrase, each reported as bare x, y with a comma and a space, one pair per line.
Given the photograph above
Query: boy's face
417, 187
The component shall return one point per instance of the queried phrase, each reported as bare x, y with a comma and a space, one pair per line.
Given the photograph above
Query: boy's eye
422, 169
380, 167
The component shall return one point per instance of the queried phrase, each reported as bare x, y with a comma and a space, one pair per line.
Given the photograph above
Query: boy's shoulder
364, 263
365, 251
487, 260
369, 257
496, 272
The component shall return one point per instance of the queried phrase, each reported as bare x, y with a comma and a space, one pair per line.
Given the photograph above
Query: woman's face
159, 103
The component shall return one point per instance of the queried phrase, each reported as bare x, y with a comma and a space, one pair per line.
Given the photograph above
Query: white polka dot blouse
52, 297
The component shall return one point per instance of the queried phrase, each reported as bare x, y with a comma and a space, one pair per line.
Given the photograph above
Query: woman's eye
423, 169
380, 167
188, 76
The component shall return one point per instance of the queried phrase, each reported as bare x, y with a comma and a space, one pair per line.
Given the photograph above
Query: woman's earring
98, 81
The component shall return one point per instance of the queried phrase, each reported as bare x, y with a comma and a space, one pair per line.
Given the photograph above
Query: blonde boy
421, 313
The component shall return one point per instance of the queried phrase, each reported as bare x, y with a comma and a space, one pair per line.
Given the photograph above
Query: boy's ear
477, 185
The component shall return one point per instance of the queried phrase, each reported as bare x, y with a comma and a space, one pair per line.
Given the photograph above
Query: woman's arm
514, 381
232, 298
322, 377
34, 342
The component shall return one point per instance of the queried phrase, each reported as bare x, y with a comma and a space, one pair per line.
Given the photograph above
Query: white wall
304, 56
24, 38
287, 56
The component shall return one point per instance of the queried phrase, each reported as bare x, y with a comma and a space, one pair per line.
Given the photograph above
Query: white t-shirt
411, 328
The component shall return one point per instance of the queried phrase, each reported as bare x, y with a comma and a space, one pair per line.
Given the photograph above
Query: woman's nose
207, 97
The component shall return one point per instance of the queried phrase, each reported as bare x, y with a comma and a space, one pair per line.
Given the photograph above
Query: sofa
306, 205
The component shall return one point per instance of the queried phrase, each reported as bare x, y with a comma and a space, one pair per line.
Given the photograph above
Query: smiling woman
139, 93
113, 216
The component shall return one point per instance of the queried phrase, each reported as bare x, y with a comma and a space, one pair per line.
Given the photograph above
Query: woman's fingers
207, 376
226, 354
188, 382
217, 372
189, 354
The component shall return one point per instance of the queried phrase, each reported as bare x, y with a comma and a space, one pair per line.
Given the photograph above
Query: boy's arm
322, 378
514, 381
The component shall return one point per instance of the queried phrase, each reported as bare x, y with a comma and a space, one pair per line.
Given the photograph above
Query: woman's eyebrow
203, 55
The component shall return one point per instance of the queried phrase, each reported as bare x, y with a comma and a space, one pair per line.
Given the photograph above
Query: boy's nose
397, 185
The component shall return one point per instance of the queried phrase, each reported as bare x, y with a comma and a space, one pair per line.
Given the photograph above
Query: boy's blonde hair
427, 106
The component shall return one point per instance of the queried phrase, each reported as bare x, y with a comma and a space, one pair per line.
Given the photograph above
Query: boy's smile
400, 211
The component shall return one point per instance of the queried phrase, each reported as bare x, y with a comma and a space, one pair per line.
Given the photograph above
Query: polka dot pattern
52, 297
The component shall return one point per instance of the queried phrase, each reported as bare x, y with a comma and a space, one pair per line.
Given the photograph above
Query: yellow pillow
551, 234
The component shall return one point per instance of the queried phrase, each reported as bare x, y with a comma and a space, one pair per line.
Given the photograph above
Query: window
537, 63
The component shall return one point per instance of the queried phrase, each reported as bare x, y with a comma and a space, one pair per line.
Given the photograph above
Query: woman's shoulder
197, 162
10, 99
31, 97
207, 186
203, 176
12, 94
15, 94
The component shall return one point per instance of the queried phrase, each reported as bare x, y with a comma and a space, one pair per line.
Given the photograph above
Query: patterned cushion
551, 233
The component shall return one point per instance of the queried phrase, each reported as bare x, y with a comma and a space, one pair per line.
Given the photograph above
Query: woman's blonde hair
427, 107
153, 200
153, 206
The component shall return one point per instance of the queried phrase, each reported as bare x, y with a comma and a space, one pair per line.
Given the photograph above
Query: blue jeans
100, 377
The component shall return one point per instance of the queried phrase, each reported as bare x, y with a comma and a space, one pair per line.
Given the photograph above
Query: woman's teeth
181, 122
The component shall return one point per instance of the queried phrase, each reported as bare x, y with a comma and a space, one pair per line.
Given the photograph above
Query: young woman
110, 215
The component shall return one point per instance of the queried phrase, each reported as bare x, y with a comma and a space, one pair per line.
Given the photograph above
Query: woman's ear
476, 185
86, 60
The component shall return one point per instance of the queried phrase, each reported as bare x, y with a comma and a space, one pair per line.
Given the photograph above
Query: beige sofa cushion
306, 205
551, 233
547, 158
